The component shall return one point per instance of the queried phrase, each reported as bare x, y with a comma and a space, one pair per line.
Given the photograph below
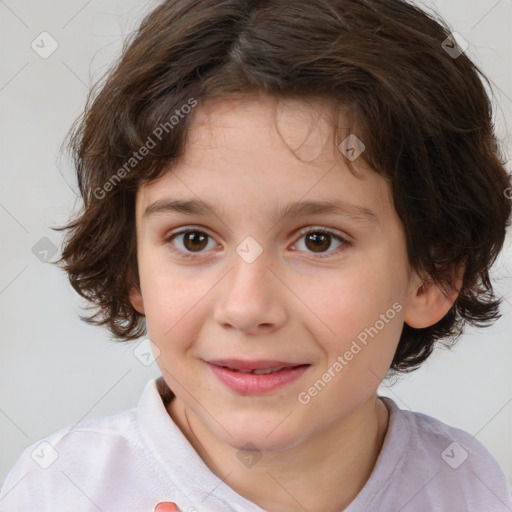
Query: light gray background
56, 370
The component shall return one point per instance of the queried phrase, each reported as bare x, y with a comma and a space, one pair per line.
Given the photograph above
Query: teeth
264, 372
258, 372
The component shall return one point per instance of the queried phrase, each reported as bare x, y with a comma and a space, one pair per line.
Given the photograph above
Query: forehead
302, 127
267, 153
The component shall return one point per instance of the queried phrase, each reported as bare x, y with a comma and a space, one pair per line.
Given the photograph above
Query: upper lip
259, 364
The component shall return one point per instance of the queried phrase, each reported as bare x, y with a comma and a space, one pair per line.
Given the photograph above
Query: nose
252, 298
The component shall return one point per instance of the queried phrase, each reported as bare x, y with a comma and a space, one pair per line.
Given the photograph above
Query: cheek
172, 302
173, 325
363, 303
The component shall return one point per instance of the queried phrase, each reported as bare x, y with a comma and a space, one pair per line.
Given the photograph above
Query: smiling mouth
264, 371
258, 367
261, 377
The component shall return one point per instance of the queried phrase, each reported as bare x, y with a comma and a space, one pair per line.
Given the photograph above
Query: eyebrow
295, 209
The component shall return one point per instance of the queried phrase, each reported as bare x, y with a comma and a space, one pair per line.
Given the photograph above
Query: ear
136, 300
430, 302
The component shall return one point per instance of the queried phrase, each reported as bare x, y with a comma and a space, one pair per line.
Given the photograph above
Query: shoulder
49, 465
454, 446
444, 463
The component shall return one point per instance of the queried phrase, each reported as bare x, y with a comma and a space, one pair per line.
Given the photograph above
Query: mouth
256, 377
259, 367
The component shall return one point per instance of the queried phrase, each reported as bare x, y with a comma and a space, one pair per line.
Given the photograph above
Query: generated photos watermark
305, 397
143, 151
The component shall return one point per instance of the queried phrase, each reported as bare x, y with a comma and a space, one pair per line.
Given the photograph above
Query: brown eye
189, 241
195, 240
318, 242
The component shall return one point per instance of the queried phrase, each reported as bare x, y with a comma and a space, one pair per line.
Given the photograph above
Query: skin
289, 304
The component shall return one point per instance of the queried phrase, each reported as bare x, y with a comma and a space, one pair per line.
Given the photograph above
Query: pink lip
254, 384
257, 364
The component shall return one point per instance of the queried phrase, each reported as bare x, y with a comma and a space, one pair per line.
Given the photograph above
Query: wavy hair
419, 105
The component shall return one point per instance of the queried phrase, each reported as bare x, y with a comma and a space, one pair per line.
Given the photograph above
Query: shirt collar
182, 464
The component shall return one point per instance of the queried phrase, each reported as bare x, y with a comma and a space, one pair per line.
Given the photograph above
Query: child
336, 164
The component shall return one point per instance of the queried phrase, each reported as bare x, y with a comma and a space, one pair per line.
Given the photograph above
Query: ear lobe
430, 303
136, 300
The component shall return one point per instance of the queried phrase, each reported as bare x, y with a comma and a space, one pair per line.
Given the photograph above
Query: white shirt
131, 461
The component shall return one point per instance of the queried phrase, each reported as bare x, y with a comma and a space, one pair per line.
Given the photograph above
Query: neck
324, 473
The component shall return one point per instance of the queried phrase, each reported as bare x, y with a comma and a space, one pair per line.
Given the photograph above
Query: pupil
320, 241
194, 240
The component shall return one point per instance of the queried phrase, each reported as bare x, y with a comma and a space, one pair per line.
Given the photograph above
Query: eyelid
323, 229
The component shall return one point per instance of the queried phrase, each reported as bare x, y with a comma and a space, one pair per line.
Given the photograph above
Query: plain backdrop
56, 370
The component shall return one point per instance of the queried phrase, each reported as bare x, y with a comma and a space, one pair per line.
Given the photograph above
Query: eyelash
302, 233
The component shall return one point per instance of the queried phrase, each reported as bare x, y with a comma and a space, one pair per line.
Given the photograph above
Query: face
229, 279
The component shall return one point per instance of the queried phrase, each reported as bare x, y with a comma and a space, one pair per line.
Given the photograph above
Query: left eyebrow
295, 209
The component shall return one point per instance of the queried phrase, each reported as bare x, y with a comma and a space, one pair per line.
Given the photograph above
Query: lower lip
256, 384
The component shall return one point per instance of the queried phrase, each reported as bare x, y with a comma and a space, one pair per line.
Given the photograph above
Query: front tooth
264, 372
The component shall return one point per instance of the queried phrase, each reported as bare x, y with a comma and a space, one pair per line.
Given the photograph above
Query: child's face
303, 300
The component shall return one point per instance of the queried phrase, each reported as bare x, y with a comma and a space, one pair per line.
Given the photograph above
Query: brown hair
422, 112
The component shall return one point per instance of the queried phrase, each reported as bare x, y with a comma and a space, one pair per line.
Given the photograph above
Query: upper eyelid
299, 231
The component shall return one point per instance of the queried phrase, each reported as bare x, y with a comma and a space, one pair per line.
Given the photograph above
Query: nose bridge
249, 298
250, 273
